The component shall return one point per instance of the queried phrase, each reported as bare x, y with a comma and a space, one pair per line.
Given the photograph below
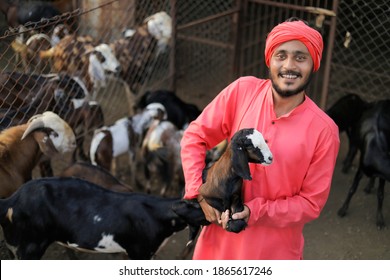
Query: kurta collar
300, 108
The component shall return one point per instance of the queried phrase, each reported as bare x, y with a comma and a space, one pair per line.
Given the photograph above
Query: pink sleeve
211, 127
306, 205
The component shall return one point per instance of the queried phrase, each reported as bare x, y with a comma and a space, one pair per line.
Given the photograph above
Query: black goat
86, 217
373, 134
179, 112
346, 113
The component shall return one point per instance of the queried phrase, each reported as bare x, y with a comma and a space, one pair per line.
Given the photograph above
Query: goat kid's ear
95, 69
240, 163
45, 144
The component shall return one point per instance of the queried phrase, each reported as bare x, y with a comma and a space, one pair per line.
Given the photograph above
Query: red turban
295, 30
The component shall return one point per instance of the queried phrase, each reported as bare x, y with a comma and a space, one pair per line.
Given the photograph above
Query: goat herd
86, 207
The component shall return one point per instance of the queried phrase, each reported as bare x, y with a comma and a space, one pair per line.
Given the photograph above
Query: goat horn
47, 53
45, 120
18, 46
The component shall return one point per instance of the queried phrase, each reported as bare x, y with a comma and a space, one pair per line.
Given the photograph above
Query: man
284, 196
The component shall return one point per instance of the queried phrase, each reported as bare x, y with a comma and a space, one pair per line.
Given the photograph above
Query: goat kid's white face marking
259, 142
110, 63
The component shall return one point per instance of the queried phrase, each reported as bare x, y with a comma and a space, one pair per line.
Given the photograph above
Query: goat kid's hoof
342, 212
236, 225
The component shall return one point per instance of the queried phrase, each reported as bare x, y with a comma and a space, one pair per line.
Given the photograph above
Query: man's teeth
290, 76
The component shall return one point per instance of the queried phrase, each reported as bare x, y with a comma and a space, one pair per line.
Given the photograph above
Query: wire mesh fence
361, 55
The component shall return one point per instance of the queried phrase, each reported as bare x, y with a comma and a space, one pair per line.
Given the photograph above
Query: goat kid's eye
100, 57
54, 134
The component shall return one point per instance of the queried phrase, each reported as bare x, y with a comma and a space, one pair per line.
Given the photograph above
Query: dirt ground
354, 237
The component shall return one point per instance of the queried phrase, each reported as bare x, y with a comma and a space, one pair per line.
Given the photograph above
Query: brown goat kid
223, 183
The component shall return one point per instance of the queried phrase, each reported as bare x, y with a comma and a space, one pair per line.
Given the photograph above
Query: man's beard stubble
288, 93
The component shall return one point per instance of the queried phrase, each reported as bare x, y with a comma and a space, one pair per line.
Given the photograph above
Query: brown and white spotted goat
83, 57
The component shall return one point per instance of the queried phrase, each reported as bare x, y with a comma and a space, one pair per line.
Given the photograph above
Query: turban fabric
295, 30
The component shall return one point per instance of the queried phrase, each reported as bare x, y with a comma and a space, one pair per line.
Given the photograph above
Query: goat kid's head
101, 61
248, 145
57, 135
141, 121
160, 27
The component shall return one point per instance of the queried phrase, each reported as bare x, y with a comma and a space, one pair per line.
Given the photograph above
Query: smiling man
282, 197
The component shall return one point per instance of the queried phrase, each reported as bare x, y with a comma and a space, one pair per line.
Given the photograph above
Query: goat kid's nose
118, 69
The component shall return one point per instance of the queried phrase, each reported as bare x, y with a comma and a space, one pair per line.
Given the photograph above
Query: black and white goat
22, 147
86, 217
373, 139
222, 185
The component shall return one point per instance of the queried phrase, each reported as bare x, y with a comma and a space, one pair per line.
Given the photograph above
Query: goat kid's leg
370, 185
167, 174
380, 221
347, 162
45, 168
114, 168
236, 206
358, 176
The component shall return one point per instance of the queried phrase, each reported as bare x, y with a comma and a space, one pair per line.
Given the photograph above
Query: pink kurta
283, 196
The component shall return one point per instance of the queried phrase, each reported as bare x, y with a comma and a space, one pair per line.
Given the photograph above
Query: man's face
291, 68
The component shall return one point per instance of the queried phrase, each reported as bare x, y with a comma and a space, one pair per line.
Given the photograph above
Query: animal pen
214, 42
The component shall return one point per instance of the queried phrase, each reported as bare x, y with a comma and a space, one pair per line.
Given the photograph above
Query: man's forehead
293, 46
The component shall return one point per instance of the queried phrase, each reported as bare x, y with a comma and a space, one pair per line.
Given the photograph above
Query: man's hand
212, 214
218, 218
